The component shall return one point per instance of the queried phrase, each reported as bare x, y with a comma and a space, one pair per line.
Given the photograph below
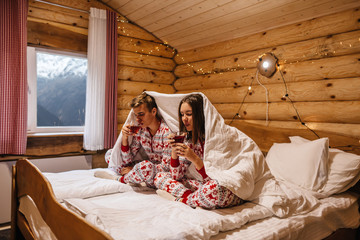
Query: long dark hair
196, 103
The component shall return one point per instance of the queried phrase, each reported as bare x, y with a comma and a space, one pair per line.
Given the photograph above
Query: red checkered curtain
110, 122
13, 76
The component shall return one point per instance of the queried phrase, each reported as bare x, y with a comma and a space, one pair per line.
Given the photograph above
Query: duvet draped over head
230, 156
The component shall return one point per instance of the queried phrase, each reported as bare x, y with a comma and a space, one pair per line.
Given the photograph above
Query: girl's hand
172, 143
186, 152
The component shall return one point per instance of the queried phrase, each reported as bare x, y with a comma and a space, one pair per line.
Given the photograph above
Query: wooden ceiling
188, 24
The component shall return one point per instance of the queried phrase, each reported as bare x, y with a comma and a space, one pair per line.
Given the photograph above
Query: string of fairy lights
202, 71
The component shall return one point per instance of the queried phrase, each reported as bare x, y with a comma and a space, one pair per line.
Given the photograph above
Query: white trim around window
33, 129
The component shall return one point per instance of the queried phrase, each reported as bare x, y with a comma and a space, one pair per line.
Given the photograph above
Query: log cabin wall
320, 62
144, 63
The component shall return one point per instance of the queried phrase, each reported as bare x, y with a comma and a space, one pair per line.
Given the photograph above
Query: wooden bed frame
28, 180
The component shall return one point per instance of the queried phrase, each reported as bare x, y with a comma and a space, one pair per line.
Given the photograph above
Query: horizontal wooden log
145, 75
98, 160
145, 61
71, 28
130, 30
54, 145
206, 81
54, 8
77, 18
334, 67
330, 112
331, 45
145, 47
73, 19
322, 90
124, 101
119, 127
318, 27
265, 137
136, 88
122, 115
348, 130
336, 45
50, 36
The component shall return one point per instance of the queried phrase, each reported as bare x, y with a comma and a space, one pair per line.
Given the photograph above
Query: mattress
123, 214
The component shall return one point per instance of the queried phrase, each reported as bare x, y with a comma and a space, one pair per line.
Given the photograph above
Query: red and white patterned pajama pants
144, 171
208, 195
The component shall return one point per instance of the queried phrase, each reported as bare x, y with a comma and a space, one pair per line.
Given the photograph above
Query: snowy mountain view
61, 90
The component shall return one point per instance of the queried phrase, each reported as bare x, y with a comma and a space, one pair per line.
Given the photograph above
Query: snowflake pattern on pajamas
206, 193
157, 149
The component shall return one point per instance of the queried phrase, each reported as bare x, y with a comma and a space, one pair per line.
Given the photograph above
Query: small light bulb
265, 64
249, 88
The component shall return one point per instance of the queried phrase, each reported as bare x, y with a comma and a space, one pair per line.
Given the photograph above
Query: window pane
61, 90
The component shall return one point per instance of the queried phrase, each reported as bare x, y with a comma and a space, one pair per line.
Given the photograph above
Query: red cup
135, 129
179, 137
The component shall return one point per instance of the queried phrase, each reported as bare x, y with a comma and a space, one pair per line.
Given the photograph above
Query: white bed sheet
134, 215
340, 211
334, 212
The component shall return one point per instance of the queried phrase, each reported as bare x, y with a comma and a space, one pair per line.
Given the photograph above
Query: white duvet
232, 158
135, 215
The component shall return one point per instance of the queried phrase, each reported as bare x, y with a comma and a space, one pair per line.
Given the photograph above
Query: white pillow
83, 184
304, 164
344, 169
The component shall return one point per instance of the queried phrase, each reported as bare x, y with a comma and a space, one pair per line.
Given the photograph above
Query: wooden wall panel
135, 59
144, 47
352, 130
329, 112
347, 66
70, 17
57, 37
320, 62
145, 75
265, 136
337, 45
130, 30
321, 90
136, 88
124, 101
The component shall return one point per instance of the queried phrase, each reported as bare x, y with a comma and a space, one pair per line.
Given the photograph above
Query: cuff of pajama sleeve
202, 172
174, 162
125, 148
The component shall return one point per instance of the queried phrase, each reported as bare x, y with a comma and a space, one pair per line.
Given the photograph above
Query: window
57, 91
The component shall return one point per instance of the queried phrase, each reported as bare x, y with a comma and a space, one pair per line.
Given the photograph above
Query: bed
89, 214
301, 190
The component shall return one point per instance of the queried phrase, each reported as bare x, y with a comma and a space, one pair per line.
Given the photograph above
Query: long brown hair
196, 103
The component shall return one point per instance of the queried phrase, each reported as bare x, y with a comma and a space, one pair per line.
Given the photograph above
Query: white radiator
45, 165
